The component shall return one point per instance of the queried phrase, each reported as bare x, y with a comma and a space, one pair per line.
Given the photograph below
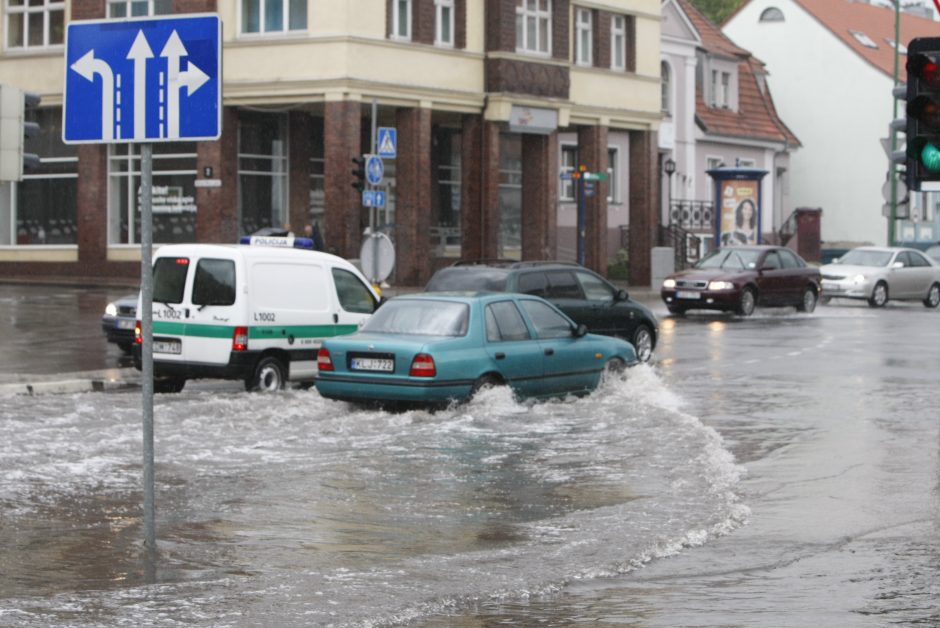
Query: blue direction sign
146, 80
375, 169
387, 142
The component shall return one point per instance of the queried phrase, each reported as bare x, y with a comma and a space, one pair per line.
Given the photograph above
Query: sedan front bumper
692, 299
846, 289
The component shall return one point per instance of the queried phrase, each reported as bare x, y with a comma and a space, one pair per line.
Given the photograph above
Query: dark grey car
586, 297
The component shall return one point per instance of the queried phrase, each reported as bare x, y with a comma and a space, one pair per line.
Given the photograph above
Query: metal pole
374, 211
146, 328
582, 220
892, 168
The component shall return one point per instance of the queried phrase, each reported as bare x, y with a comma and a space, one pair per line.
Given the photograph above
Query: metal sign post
146, 330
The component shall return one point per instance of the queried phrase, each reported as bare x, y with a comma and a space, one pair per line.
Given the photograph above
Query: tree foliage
716, 10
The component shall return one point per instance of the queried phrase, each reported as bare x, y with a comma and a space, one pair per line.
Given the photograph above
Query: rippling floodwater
291, 510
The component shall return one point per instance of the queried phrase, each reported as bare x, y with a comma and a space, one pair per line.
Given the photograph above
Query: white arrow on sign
87, 66
192, 78
140, 51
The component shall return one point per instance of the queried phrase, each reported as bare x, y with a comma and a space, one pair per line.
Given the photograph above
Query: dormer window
771, 14
721, 89
864, 39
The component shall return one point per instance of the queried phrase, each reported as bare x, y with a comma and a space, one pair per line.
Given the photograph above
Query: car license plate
125, 324
688, 294
167, 346
372, 364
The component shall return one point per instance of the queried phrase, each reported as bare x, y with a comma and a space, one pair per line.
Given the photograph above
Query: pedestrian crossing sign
387, 142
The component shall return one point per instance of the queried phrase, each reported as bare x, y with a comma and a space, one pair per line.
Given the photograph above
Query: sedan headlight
669, 283
720, 285
859, 279
111, 310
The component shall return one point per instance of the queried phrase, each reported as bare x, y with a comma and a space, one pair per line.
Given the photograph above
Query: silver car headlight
111, 310
720, 285
669, 283
859, 279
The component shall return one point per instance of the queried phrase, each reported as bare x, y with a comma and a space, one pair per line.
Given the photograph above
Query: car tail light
138, 334
240, 339
324, 360
423, 366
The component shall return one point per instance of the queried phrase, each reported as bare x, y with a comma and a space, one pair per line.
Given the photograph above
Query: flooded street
780, 470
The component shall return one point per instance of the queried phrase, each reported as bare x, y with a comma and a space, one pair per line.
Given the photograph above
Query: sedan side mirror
621, 295
580, 331
897, 265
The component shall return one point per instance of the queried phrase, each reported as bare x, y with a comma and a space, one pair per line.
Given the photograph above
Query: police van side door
289, 309
355, 302
211, 311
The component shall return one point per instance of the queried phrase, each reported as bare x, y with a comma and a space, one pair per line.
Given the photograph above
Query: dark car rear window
467, 279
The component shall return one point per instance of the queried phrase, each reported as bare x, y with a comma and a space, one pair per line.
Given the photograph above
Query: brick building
492, 100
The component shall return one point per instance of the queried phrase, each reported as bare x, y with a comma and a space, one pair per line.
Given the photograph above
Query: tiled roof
756, 117
842, 17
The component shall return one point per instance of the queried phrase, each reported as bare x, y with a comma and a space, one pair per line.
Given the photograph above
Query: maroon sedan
740, 278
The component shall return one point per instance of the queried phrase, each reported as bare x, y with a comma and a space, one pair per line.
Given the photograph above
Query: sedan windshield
863, 257
420, 317
734, 259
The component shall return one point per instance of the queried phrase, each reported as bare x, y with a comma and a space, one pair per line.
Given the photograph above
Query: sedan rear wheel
748, 302
808, 304
643, 343
933, 296
485, 381
879, 296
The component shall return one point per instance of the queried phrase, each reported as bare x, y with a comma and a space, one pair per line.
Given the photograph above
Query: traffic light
923, 114
14, 130
359, 172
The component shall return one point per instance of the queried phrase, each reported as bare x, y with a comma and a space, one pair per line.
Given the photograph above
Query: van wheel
270, 376
168, 384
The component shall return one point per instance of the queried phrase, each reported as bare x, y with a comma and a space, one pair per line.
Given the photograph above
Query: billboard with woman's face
738, 205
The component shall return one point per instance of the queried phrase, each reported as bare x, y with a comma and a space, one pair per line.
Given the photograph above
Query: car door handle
549, 351
500, 356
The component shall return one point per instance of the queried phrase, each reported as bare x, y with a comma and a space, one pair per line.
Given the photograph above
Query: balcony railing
695, 216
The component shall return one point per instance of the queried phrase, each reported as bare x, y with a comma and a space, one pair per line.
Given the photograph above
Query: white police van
257, 311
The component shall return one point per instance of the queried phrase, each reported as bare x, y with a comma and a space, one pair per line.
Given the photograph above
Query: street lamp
669, 167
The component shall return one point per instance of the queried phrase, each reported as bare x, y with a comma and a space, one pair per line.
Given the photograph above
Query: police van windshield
169, 279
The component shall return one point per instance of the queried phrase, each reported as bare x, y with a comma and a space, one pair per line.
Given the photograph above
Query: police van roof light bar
278, 242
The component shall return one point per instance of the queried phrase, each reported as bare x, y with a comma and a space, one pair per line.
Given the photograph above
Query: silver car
879, 273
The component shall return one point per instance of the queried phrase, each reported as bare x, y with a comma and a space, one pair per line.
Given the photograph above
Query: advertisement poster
739, 217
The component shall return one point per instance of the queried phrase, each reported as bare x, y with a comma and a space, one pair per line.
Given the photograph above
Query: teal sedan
435, 348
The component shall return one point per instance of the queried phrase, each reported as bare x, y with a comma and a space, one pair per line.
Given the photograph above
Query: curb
48, 385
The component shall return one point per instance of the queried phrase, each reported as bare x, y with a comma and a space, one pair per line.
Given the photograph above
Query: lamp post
669, 167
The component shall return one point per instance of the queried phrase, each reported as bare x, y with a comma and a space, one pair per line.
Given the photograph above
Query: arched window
666, 84
772, 14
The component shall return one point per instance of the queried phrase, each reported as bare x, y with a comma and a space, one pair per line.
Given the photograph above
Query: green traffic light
930, 157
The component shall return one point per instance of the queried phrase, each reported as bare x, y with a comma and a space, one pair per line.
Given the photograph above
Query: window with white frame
273, 16
613, 178
262, 170
569, 162
137, 8
721, 89
618, 42
401, 19
34, 23
444, 22
534, 26
584, 48
173, 199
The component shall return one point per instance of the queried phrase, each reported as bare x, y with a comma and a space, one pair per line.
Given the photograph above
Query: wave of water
291, 509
